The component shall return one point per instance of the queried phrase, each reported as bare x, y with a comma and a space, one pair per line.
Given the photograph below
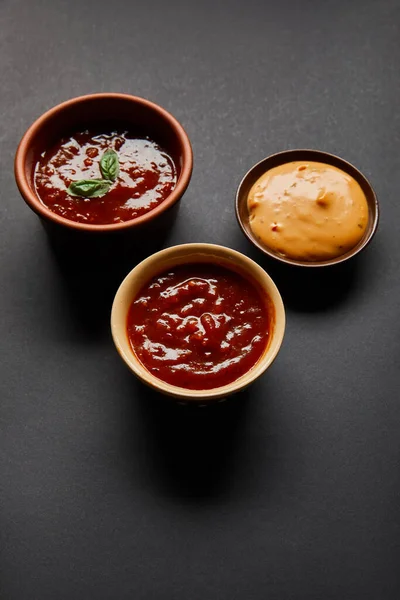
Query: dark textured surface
294, 494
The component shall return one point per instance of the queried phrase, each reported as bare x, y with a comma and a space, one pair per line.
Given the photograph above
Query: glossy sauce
308, 210
147, 176
199, 326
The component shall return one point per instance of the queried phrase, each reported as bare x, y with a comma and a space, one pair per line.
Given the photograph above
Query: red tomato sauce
147, 176
199, 326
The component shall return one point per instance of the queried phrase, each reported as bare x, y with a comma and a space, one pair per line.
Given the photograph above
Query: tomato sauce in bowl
199, 326
147, 176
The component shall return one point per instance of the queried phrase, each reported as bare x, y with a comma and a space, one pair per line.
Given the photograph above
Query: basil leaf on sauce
109, 165
89, 188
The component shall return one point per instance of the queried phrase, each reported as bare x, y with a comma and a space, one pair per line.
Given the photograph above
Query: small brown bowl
114, 111
192, 253
284, 157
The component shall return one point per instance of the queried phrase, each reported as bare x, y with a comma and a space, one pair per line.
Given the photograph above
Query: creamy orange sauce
307, 210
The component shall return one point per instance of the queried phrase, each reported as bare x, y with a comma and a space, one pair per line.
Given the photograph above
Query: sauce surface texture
147, 176
199, 326
308, 210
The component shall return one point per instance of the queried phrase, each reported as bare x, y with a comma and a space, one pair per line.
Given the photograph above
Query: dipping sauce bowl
307, 160
196, 255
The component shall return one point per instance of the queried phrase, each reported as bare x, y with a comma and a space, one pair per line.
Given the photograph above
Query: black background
291, 492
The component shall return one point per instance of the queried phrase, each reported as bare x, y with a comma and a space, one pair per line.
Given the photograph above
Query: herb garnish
96, 188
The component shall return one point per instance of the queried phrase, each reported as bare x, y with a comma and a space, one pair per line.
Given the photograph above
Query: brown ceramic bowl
192, 253
114, 111
281, 158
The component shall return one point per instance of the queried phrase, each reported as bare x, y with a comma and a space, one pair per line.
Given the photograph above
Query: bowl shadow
198, 455
313, 289
92, 267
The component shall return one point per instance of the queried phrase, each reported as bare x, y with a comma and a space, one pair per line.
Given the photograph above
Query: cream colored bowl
184, 254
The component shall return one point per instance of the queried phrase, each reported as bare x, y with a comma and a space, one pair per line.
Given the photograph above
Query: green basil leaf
89, 188
109, 165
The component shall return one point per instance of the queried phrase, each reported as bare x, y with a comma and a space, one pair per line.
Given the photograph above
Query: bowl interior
275, 160
196, 253
103, 113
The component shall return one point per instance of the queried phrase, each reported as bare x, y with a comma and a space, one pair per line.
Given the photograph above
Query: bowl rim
34, 201
211, 253
328, 157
